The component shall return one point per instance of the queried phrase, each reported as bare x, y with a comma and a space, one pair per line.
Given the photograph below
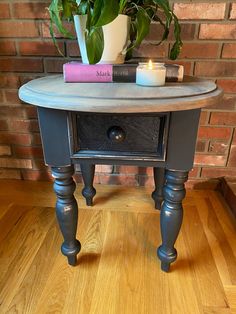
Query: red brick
217, 172
223, 118
210, 160
72, 48
199, 50
36, 175
204, 117
30, 112
18, 29
1, 97
203, 11
24, 111
15, 138
219, 148
27, 152
145, 181
104, 168
36, 139
9, 112
187, 32
151, 51
21, 65
194, 172
23, 126
10, 174
229, 86
205, 132
4, 11
7, 48
128, 170
39, 48
15, 163
127, 180
215, 68
200, 146
5, 150
38, 164
234, 138
9, 81
232, 156
12, 97
46, 31
3, 125
229, 51
54, 65
30, 10
233, 11
217, 31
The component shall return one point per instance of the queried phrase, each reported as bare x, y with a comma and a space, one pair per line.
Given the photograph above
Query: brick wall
26, 52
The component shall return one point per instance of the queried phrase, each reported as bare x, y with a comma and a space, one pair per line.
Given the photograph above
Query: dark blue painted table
120, 123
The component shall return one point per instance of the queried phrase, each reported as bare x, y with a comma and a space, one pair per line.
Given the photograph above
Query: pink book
79, 72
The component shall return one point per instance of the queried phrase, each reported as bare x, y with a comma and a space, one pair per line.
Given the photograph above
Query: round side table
120, 123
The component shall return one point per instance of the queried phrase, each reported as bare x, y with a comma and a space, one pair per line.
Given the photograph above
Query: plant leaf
142, 26
110, 10
55, 10
176, 48
96, 11
94, 45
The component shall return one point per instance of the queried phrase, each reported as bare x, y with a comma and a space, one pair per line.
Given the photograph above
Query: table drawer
114, 135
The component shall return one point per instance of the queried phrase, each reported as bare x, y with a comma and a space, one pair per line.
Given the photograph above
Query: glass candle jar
150, 74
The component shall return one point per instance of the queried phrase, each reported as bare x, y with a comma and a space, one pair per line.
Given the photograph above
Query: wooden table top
53, 92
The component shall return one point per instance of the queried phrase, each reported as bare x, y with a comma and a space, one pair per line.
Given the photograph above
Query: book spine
78, 72
174, 72
104, 73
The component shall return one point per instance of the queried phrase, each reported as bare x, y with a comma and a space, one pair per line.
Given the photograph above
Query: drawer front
116, 135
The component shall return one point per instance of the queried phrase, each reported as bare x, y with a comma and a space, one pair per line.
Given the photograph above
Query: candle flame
150, 65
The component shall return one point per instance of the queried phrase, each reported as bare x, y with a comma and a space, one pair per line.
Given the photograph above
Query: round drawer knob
116, 134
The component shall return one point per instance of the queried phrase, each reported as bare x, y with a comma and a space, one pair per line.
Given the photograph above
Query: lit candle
151, 74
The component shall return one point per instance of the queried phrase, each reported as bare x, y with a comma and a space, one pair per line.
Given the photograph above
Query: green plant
102, 12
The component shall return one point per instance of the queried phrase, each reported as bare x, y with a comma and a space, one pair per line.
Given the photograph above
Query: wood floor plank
224, 215
135, 269
11, 218
4, 207
230, 291
204, 270
220, 247
27, 248
31, 287
92, 232
72, 290
217, 310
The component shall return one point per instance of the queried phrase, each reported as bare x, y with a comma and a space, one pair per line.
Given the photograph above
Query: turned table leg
88, 191
159, 179
171, 215
67, 211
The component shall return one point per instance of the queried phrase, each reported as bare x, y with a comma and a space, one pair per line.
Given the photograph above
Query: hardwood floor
118, 271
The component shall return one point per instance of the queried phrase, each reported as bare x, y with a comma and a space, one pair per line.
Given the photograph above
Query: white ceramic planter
116, 36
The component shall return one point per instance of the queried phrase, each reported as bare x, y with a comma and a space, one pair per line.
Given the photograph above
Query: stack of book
99, 73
